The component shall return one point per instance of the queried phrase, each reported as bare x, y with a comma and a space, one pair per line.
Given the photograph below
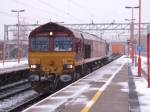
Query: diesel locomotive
60, 54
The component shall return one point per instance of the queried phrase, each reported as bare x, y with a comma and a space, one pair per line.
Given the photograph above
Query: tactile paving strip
134, 105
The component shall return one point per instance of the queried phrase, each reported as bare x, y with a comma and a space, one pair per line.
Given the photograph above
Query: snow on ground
142, 87
124, 85
15, 100
13, 63
144, 63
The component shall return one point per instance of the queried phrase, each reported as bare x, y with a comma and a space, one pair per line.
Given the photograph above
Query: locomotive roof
51, 26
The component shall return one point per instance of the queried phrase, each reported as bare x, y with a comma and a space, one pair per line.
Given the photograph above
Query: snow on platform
142, 86
12, 65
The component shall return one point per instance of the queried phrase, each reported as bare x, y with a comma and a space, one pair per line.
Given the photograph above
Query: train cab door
82, 55
82, 46
78, 49
79, 53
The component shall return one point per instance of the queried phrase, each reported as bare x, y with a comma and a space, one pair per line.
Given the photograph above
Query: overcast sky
70, 11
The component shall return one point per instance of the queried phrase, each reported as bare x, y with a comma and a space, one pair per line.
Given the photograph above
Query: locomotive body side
94, 48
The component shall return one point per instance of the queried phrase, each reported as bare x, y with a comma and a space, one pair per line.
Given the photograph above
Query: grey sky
71, 11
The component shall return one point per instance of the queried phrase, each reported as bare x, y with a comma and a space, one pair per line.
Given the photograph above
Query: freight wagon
118, 48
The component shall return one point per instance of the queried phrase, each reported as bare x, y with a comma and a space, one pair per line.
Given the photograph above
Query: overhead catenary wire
48, 5
39, 9
45, 13
60, 10
86, 10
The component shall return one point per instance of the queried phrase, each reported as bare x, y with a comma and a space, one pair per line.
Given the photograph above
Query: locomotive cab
51, 54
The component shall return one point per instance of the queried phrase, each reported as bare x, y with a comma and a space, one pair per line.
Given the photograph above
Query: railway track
12, 75
24, 97
8, 104
10, 95
27, 103
13, 89
14, 97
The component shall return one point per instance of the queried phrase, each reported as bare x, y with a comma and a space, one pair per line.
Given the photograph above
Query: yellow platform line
92, 101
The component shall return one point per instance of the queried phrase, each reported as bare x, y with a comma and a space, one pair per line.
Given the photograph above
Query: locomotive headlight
33, 66
69, 66
51, 33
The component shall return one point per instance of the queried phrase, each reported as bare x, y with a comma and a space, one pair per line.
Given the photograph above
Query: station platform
111, 88
12, 66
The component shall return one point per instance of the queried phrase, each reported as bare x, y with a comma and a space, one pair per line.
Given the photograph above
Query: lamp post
139, 43
135, 42
132, 34
148, 56
18, 11
129, 41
